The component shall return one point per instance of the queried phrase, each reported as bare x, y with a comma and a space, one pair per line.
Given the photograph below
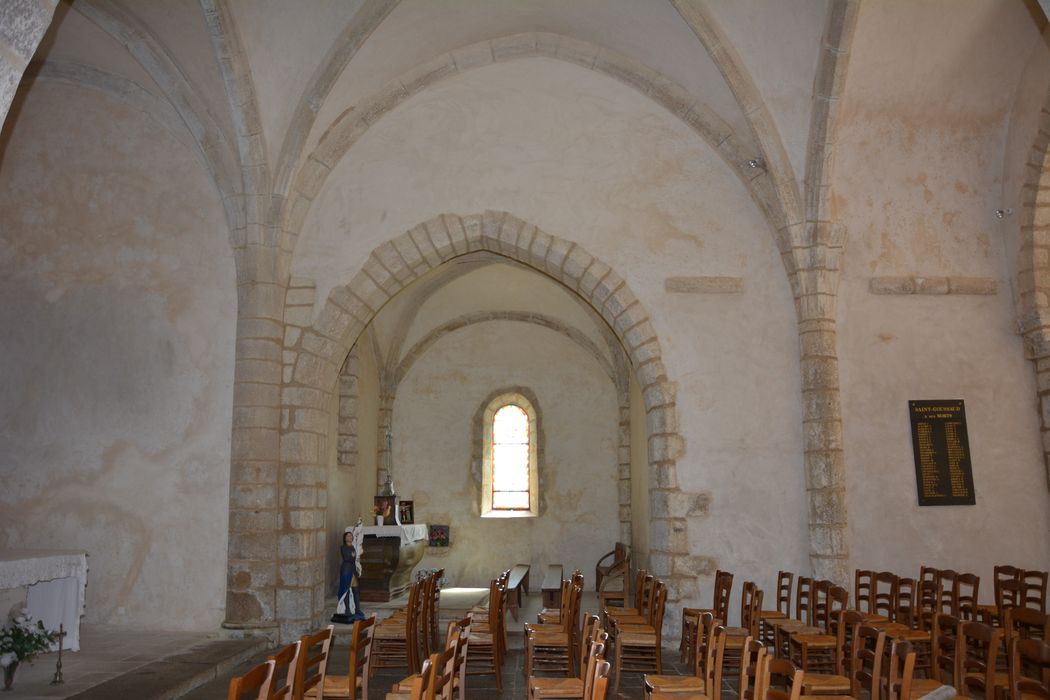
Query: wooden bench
517, 582
551, 587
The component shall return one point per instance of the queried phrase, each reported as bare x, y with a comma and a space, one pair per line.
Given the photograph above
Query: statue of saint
348, 609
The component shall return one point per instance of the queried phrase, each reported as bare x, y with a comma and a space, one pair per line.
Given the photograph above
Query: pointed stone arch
318, 353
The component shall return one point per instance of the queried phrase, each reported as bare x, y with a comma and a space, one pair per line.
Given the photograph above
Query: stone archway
317, 354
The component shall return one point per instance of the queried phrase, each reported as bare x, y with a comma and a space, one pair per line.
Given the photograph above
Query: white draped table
56, 580
390, 554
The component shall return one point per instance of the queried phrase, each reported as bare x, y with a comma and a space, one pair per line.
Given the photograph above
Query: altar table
56, 579
390, 553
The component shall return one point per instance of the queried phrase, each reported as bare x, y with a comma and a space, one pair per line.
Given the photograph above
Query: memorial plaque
943, 473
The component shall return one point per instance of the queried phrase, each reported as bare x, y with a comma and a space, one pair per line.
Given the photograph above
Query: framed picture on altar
384, 506
439, 535
407, 513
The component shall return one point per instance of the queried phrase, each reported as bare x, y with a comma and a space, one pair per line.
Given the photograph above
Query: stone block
891, 285
664, 475
299, 448
256, 417
253, 520
252, 394
304, 475
314, 371
422, 241
661, 564
258, 371
294, 604
672, 503
669, 535
514, 46
576, 264
704, 285
827, 507
661, 420
310, 419
300, 496
931, 285
650, 373
663, 448
305, 519
253, 496
302, 396
255, 443
258, 546
984, 286
473, 56
433, 71
248, 472
592, 276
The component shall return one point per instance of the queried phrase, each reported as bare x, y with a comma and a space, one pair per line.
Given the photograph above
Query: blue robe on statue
348, 581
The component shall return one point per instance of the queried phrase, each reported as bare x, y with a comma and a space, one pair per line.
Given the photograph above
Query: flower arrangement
24, 639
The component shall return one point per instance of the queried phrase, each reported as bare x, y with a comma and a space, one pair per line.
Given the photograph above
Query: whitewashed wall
116, 357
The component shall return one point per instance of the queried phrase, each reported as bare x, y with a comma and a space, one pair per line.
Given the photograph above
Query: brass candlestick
58, 680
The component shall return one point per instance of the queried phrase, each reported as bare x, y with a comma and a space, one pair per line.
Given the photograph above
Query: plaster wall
433, 434
589, 160
932, 215
116, 357
639, 480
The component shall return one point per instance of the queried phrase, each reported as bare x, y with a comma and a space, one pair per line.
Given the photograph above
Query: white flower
8, 658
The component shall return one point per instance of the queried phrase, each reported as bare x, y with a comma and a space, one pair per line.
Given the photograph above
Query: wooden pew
551, 586
516, 583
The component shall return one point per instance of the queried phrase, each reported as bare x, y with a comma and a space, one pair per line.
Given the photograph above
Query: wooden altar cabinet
390, 553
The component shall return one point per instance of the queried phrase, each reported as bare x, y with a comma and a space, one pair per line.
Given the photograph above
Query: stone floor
150, 665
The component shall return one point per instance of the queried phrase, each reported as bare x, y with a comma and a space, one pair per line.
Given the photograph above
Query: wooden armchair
616, 563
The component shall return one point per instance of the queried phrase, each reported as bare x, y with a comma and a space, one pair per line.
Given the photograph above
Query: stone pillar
346, 449
623, 467
22, 26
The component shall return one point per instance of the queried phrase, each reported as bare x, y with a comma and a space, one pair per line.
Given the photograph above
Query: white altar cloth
56, 579
407, 533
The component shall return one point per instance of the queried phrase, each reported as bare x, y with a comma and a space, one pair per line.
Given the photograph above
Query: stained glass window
510, 459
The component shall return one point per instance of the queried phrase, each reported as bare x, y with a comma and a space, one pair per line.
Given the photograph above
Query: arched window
510, 487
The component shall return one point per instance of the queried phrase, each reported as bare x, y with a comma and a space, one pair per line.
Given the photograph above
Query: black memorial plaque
943, 473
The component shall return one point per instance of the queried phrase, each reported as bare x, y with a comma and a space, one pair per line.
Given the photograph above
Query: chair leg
619, 660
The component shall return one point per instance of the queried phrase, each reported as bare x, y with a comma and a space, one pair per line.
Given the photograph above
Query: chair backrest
885, 589
867, 660
704, 629
1034, 590
838, 599
1001, 573
253, 685
595, 655
313, 661
753, 613
849, 621
901, 667
639, 583
928, 594
747, 592
802, 595
1033, 654
723, 592
285, 662
445, 675
785, 582
420, 689
646, 591
601, 682
906, 611
361, 655
765, 688
818, 603
947, 592
966, 591
657, 618
715, 655
864, 590
944, 647
1026, 623
751, 652
980, 646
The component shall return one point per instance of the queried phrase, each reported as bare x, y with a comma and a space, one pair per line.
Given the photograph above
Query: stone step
175, 675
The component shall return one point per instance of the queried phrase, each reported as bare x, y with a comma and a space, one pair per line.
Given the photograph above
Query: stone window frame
484, 419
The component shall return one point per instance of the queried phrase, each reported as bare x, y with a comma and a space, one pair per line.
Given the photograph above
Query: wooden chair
600, 682
612, 564
1025, 623
395, 642
785, 582
901, 668
552, 647
540, 688
707, 671
420, 689
804, 595
285, 663
642, 605
312, 662
906, 611
928, 596
770, 667
485, 651
944, 655
253, 685
1034, 654
753, 653
967, 587
604, 596
639, 647
354, 685
864, 591
442, 674
947, 592
840, 679
721, 594
885, 591
816, 651
1034, 590
464, 626
978, 647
